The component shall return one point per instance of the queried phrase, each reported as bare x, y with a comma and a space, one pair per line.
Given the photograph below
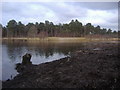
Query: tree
41, 27
4, 32
1, 30
89, 29
58, 29
72, 29
115, 32
27, 27
20, 29
11, 26
97, 30
76, 27
46, 25
37, 25
51, 29
109, 31
32, 31
103, 31
72, 26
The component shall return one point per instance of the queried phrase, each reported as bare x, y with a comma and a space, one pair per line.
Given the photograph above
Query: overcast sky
104, 14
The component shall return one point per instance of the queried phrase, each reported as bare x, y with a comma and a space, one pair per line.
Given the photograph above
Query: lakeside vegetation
42, 30
59, 39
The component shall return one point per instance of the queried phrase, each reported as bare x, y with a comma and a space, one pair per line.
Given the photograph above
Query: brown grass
60, 39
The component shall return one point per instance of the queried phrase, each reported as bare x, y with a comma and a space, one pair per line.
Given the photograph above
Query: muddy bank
95, 66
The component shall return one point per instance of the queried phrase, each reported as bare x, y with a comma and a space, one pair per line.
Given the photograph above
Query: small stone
97, 49
59, 72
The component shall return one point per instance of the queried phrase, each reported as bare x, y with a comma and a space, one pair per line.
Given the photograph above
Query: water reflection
15, 50
41, 52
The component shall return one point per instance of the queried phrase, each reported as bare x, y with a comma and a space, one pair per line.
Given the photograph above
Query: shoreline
96, 66
59, 39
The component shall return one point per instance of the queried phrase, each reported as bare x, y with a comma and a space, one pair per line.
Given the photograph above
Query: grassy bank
61, 39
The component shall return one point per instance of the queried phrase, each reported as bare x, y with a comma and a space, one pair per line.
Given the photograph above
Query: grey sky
104, 14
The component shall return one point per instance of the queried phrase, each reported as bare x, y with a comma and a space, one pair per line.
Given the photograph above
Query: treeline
48, 29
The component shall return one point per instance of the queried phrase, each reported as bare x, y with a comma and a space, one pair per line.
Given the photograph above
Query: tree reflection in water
17, 49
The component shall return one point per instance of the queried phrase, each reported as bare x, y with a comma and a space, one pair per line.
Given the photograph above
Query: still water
12, 53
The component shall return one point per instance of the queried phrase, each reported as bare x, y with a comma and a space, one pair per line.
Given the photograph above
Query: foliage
48, 29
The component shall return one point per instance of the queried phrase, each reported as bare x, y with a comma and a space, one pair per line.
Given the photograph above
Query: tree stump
26, 59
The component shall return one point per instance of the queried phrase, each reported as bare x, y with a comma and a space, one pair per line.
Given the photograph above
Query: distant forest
48, 29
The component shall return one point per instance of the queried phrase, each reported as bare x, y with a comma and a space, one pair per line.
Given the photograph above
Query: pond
41, 52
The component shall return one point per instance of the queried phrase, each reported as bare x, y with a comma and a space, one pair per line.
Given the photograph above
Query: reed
60, 39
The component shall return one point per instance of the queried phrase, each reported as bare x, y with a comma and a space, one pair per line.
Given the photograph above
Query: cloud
24, 11
107, 19
103, 14
98, 5
64, 11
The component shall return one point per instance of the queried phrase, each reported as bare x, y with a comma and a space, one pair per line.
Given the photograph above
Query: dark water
12, 53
